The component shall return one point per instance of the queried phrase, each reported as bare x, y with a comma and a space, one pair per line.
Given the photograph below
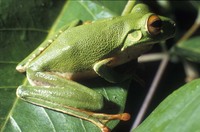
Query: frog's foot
87, 22
102, 119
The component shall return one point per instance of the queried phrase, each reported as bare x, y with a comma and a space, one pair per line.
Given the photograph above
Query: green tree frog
86, 51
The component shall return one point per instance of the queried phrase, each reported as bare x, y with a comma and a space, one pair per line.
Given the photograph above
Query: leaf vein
9, 62
87, 9
47, 115
9, 114
106, 94
82, 124
14, 123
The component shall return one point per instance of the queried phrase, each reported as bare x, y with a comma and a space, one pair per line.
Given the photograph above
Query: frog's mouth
168, 29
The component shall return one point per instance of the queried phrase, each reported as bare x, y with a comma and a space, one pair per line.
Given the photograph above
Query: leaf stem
151, 91
190, 70
151, 57
192, 29
129, 6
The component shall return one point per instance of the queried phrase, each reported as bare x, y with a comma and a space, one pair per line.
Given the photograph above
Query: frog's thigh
103, 69
68, 96
59, 90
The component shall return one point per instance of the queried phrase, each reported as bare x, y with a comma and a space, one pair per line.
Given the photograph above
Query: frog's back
78, 48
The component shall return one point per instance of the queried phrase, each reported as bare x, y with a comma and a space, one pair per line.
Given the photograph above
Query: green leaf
179, 112
189, 49
23, 26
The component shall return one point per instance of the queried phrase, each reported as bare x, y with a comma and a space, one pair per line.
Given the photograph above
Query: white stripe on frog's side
37, 82
70, 76
76, 76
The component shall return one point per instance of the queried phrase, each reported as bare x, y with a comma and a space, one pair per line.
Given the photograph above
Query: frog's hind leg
57, 93
58, 98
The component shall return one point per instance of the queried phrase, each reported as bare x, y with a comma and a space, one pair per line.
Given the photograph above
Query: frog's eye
154, 25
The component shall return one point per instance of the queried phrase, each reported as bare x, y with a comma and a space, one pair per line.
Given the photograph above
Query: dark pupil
157, 24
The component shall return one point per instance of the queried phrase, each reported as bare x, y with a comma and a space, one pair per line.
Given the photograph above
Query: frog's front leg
104, 68
57, 93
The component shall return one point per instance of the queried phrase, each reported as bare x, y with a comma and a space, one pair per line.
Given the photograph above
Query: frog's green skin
85, 51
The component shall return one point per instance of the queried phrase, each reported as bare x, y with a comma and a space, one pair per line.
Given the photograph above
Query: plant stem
129, 6
151, 57
151, 91
192, 30
190, 70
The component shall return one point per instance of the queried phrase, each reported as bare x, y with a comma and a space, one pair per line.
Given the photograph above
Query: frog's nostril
173, 23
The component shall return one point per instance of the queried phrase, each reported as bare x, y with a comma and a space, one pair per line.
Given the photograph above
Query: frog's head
155, 28
149, 28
